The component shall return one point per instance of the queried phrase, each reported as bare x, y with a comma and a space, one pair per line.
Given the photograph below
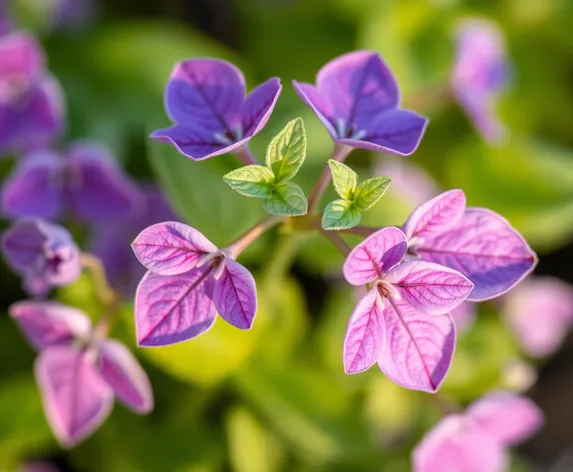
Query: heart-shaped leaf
288, 199
287, 151
370, 192
251, 181
340, 214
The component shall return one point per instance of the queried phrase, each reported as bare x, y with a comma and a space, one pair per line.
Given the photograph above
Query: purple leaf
122, 372
193, 141
359, 86
436, 215
21, 54
374, 256
364, 334
321, 107
508, 418
418, 348
235, 295
206, 92
171, 248
48, 323
486, 249
35, 187
173, 308
100, 191
76, 399
454, 446
431, 288
259, 105
393, 131
540, 312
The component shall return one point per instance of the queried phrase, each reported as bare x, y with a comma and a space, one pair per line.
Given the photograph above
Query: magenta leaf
509, 418
453, 445
486, 249
171, 248
431, 288
374, 256
122, 372
364, 334
436, 215
418, 348
173, 308
47, 323
76, 398
235, 295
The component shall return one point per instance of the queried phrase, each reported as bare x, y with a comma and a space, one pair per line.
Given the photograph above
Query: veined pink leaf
418, 348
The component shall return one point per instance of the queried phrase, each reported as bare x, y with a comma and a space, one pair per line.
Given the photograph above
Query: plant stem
339, 154
361, 230
428, 97
337, 241
239, 245
245, 155
442, 404
105, 294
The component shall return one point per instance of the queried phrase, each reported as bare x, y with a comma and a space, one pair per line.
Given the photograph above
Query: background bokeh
276, 398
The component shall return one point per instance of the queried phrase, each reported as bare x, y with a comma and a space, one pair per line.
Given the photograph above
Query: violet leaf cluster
272, 183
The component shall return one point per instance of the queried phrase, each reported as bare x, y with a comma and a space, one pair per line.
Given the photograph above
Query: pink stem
337, 241
364, 231
245, 155
239, 245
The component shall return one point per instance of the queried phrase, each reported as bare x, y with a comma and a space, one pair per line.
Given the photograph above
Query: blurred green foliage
276, 398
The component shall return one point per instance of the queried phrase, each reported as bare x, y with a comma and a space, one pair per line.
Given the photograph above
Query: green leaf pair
346, 212
271, 183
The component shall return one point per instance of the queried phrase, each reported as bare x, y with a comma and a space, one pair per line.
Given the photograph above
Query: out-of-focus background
276, 398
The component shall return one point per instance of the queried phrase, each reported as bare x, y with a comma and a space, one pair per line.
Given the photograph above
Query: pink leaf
172, 308
374, 256
47, 323
431, 288
235, 295
509, 418
76, 398
170, 248
364, 334
486, 249
122, 372
418, 348
436, 215
453, 446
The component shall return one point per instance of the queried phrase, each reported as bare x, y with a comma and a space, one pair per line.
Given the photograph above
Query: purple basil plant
78, 370
31, 105
84, 182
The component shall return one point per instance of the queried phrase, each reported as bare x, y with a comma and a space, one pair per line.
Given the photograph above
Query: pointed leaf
235, 295
47, 323
76, 398
375, 256
509, 418
172, 308
486, 249
340, 214
344, 179
436, 215
170, 248
370, 192
287, 150
431, 288
122, 372
251, 181
418, 348
364, 334
288, 199
259, 105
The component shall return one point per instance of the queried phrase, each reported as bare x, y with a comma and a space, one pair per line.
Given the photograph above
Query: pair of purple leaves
44, 254
356, 97
444, 254
31, 104
478, 439
189, 281
84, 182
78, 370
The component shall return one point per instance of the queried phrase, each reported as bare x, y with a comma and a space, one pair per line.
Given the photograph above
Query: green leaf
251, 181
340, 214
344, 179
288, 199
370, 191
287, 150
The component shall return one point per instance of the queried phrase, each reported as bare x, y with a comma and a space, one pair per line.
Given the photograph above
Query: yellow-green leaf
288, 199
287, 151
370, 192
340, 214
251, 181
